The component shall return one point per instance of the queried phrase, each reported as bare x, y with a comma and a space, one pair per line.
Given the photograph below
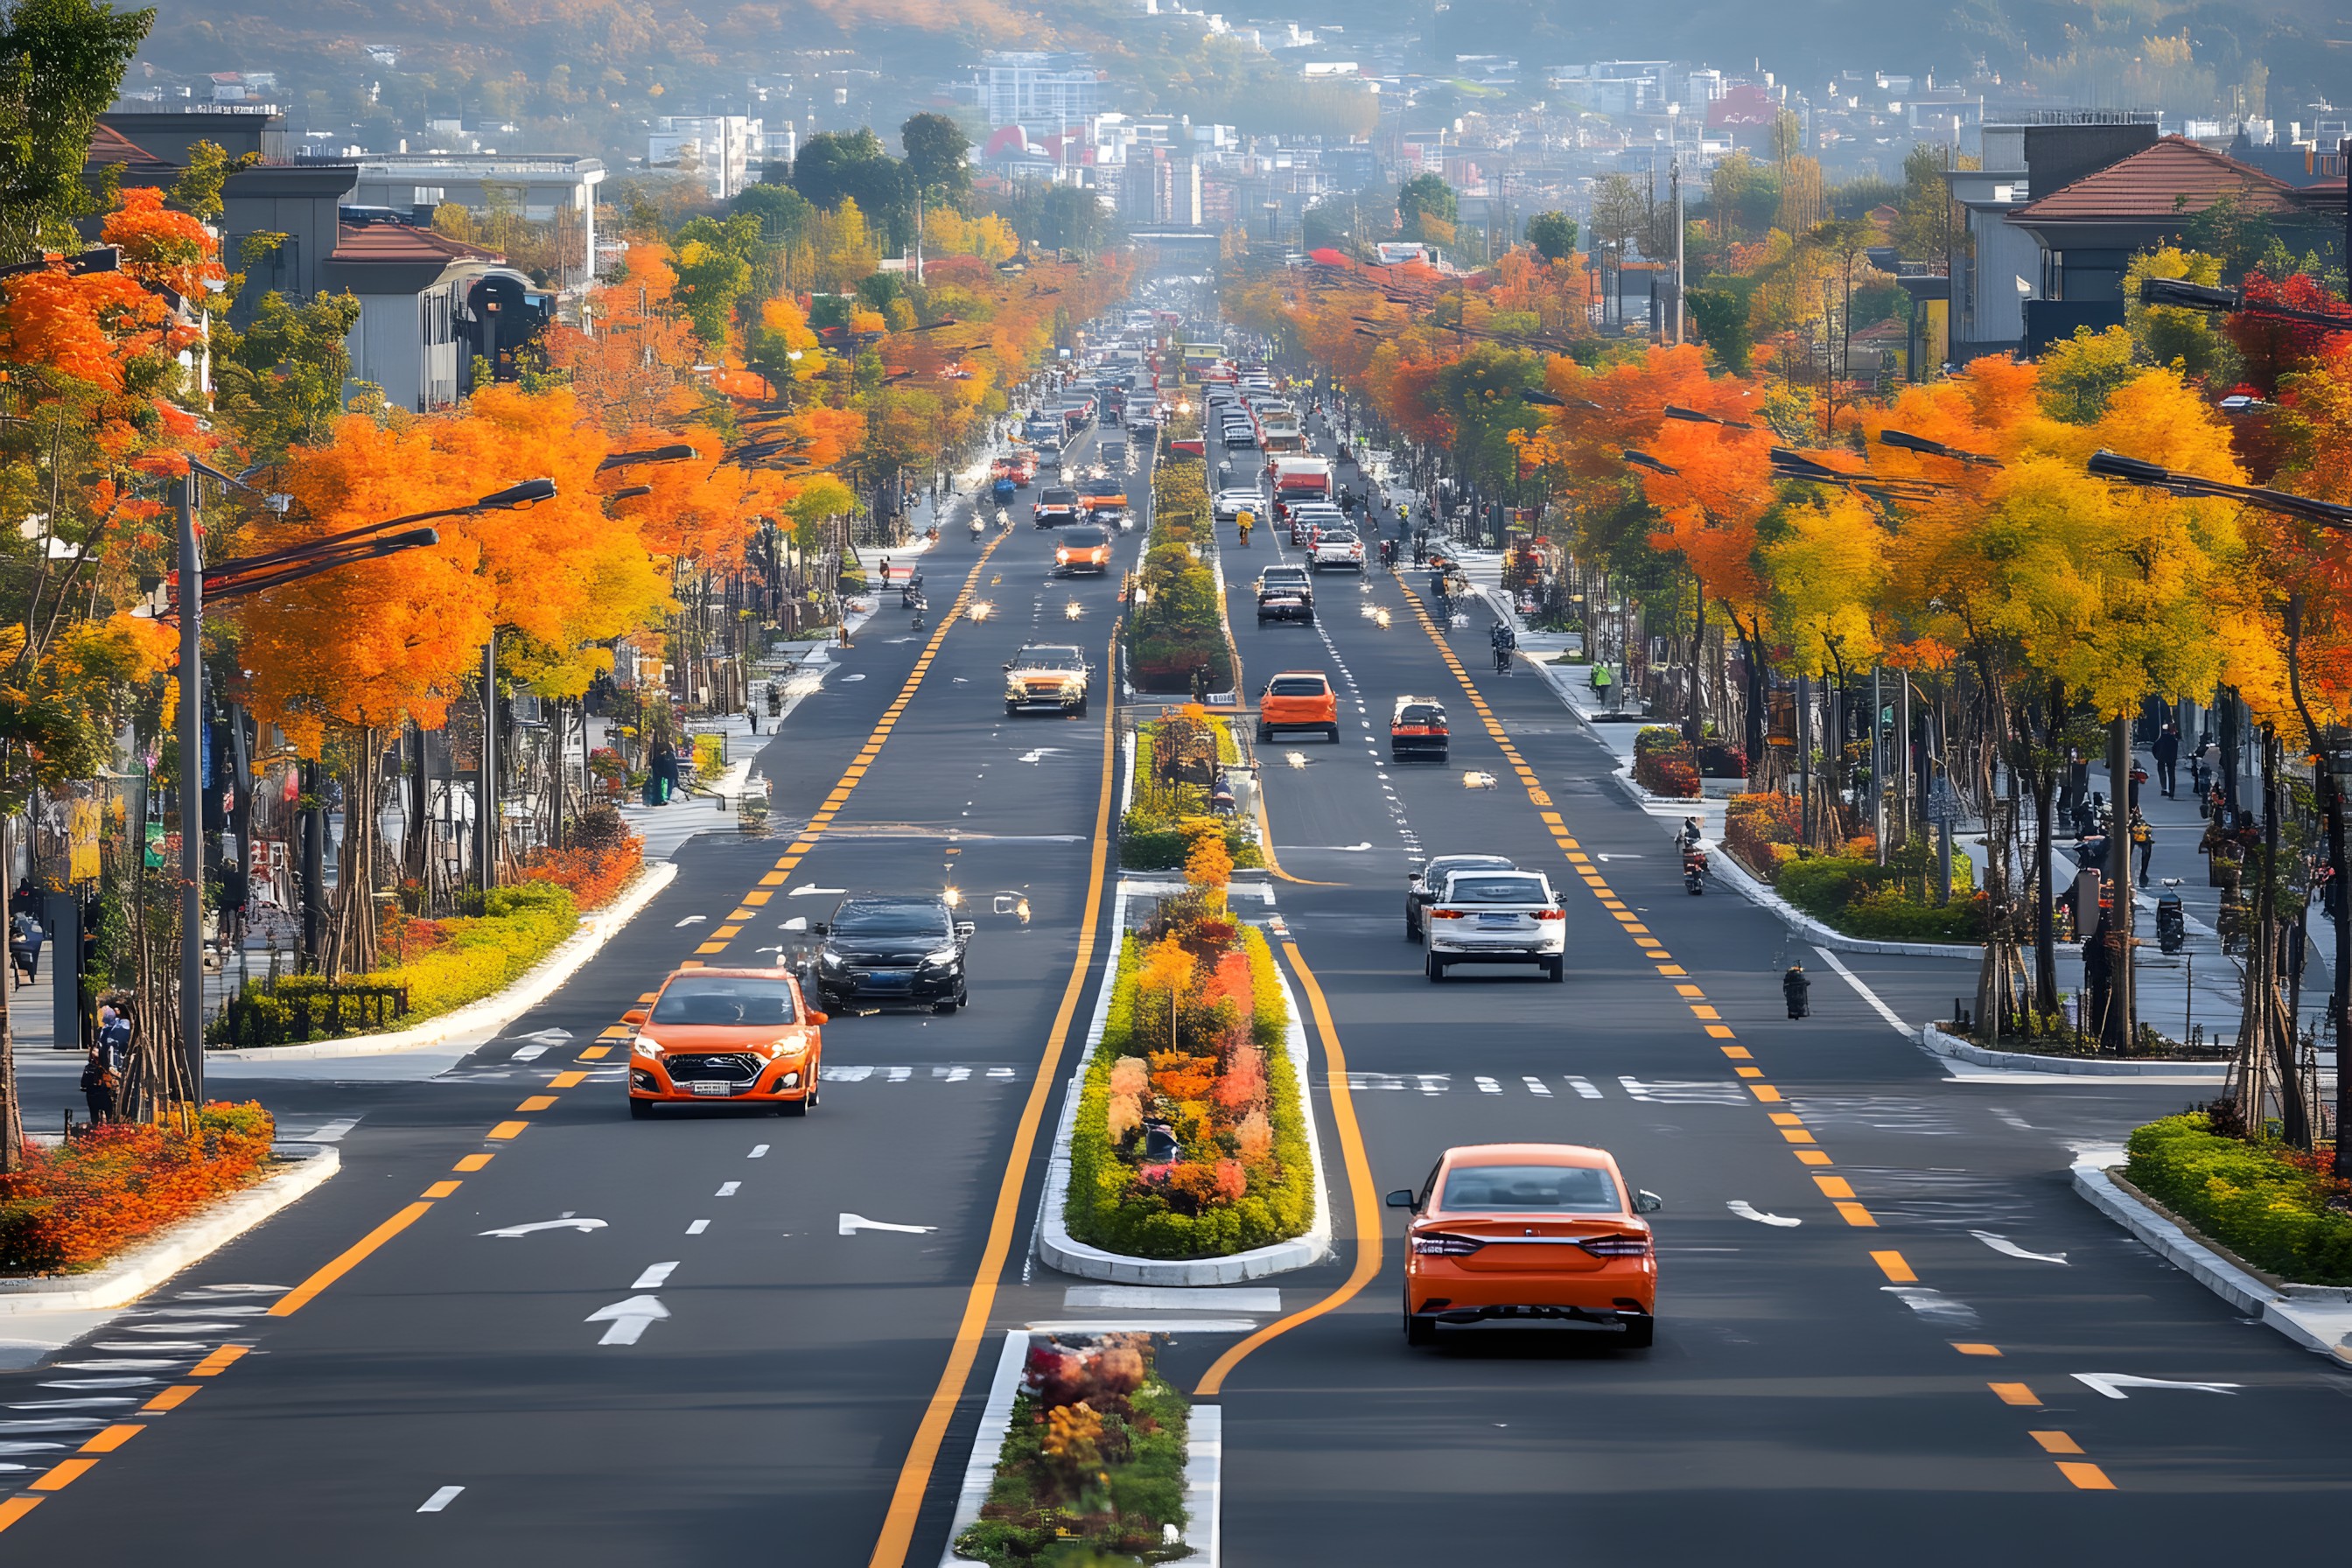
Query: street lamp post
234, 579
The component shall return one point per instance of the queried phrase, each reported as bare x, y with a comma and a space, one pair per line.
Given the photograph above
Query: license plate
720, 1089
1498, 920
891, 979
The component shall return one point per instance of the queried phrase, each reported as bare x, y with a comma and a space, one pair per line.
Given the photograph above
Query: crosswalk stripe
1582, 1087
1537, 1086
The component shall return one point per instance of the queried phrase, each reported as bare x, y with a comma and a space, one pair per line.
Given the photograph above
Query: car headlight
790, 1046
645, 1046
829, 959
942, 958
1072, 686
1014, 689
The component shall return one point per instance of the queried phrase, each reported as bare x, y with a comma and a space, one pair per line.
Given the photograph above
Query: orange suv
1299, 699
716, 1035
1529, 1233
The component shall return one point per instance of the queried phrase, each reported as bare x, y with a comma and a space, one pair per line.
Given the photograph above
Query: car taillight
1447, 915
1439, 1244
1617, 1246
1551, 914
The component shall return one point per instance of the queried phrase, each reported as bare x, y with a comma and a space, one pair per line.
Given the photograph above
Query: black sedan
879, 950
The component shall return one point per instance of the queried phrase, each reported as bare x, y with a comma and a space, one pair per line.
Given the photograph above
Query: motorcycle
978, 528
932, 533
920, 608
1221, 795
1691, 842
2171, 920
1003, 520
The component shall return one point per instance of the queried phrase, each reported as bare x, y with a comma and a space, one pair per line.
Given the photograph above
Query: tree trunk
11, 1122
2045, 918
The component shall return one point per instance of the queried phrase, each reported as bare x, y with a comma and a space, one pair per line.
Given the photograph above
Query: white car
1496, 917
1231, 504
1338, 548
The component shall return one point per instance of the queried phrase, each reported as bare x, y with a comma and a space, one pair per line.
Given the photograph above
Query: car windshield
1445, 866
1297, 686
1470, 888
1085, 538
1051, 496
1049, 659
1340, 536
722, 1000
1530, 1189
892, 919
1420, 713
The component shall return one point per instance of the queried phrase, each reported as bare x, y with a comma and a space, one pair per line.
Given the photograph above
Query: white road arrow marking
1933, 1304
691, 921
847, 679
1746, 1210
2003, 1245
1608, 858
582, 1226
546, 1037
811, 890
851, 1224
655, 1276
2113, 1383
628, 1319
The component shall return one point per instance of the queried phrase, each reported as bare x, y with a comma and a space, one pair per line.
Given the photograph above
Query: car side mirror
820, 1017
1647, 1202
1402, 1199
820, 927
635, 1016
963, 930
1008, 664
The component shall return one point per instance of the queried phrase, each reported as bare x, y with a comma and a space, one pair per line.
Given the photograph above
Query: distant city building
1046, 91
725, 151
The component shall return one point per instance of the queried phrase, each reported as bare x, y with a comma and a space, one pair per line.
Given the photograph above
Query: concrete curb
1204, 1458
140, 1270
2322, 1324
496, 1011
1943, 1045
1060, 1249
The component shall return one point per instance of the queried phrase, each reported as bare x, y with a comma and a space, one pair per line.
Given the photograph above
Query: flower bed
443, 965
1165, 816
2275, 1207
1093, 1462
1662, 762
1179, 627
1857, 896
70, 1208
1188, 1139
604, 856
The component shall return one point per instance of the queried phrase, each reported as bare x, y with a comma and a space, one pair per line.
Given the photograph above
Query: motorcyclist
1692, 836
1243, 520
1504, 640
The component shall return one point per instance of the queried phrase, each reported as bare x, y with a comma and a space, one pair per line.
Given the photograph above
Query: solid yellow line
294, 1301
915, 1476
1360, 1185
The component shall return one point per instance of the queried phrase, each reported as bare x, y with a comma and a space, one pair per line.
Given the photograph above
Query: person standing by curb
1796, 989
97, 1081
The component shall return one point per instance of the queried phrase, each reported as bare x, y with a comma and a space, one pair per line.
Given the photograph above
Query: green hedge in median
2275, 1207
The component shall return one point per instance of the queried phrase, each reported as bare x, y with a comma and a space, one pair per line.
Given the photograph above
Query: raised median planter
1244, 1196
1085, 1454
1944, 1044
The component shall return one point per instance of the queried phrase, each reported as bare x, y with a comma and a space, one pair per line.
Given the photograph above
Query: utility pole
1675, 178
486, 794
191, 793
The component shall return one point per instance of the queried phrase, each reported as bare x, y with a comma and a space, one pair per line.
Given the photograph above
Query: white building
1039, 90
556, 190
726, 151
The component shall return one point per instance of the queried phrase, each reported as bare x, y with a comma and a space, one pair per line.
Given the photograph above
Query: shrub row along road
1877, 1299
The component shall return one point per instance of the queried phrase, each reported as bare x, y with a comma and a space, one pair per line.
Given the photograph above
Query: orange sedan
1522, 1233
719, 1035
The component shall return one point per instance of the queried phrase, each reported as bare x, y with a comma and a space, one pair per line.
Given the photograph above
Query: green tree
780, 210
1553, 234
1742, 195
281, 381
938, 157
1721, 314
2079, 375
60, 63
1427, 209
2165, 335
851, 165
712, 259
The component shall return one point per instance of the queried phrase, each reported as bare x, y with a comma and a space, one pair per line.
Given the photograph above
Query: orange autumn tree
631, 362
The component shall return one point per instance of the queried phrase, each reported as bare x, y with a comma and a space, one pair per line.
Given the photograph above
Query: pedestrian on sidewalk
235, 893
752, 714
2166, 751
24, 938
2143, 837
662, 777
2138, 777
114, 1039
1796, 988
98, 1083
886, 571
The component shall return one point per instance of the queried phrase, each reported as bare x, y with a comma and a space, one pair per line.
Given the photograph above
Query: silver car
1496, 917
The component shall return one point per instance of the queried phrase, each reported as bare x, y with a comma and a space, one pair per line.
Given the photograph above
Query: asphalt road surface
1877, 1291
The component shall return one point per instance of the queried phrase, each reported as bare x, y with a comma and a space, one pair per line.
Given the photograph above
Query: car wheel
1641, 1335
1419, 1331
1556, 969
1264, 737
639, 1110
1435, 967
1080, 710
944, 1007
792, 1107
1009, 712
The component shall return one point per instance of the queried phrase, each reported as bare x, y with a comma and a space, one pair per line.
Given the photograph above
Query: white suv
1487, 916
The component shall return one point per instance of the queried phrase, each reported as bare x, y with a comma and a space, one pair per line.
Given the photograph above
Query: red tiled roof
2167, 179
110, 146
398, 243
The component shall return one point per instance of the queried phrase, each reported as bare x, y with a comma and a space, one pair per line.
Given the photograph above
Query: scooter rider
1504, 640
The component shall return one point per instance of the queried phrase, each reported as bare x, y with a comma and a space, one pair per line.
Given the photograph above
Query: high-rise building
1038, 90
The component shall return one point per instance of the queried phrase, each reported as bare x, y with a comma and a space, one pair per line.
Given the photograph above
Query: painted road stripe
1867, 995
2012, 1394
172, 1398
2088, 1477
1892, 1265
113, 1438
294, 1301
444, 1496
508, 1130
1967, 1349
2055, 1442
219, 1362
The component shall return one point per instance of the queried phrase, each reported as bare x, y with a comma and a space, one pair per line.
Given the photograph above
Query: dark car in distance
881, 949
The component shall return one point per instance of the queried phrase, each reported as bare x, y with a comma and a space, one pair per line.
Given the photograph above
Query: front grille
734, 1067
